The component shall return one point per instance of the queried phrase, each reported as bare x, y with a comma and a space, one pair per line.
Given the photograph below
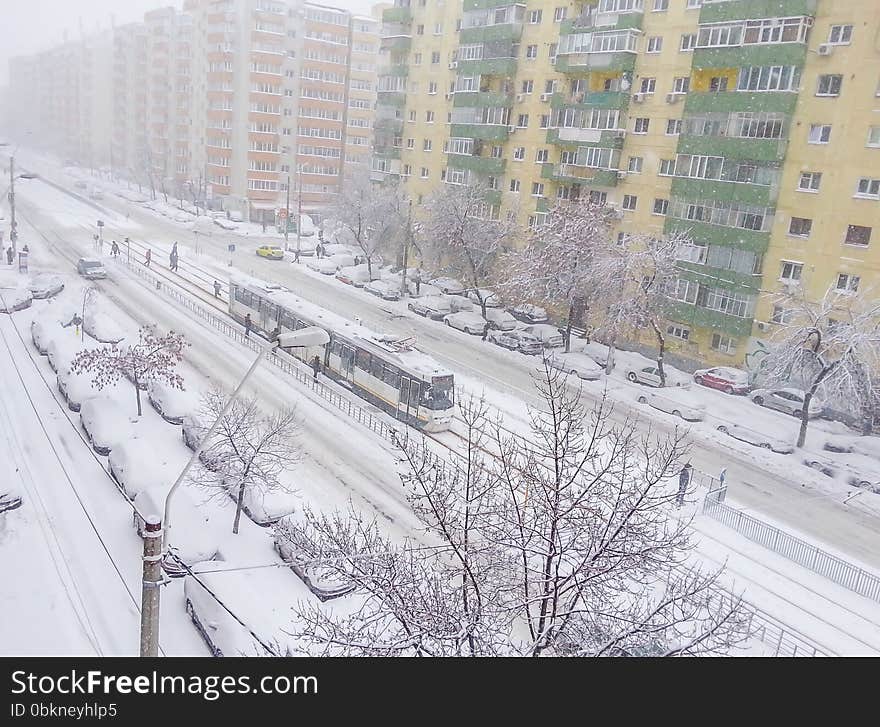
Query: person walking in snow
319, 250
684, 479
485, 330
247, 326
216, 289
174, 248
114, 249
418, 281
9, 255
316, 367
148, 255
173, 265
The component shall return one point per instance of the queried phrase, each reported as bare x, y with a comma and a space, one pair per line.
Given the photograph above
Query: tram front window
439, 395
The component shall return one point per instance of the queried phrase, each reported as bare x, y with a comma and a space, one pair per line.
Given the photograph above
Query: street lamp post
154, 535
287, 214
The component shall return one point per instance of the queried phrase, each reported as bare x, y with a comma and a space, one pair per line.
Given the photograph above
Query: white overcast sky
27, 26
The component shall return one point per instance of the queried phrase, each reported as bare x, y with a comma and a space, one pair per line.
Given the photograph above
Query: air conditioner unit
511, 129
453, 65
762, 325
638, 97
519, 97
449, 96
546, 96
672, 97
621, 174
826, 49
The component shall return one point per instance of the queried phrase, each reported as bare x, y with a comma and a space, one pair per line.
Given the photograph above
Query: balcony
771, 54
390, 125
729, 147
754, 240
578, 174
728, 101
610, 138
594, 21
387, 152
745, 9
502, 66
400, 70
715, 189
488, 33
694, 315
721, 277
477, 164
492, 99
391, 98
590, 100
488, 132
399, 15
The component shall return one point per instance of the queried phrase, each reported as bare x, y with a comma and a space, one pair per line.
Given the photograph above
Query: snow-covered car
383, 289
265, 507
105, 423
191, 433
192, 538
171, 403
320, 580
75, 388
183, 217
678, 402
45, 285
856, 470
489, 297
758, 439
449, 286
15, 299
225, 224
96, 193
500, 320
576, 364
270, 252
330, 265
91, 269
49, 325
865, 445
787, 400
333, 248
136, 465
472, 323
724, 378
212, 599
650, 376
431, 307
423, 290
458, 303
546, 334
356, 275
516, 340
528, 313
307, 246
10, 497
100, 326
62, 349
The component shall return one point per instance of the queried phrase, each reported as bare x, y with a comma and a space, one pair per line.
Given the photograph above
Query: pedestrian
173, 265
276, 332
418, 279
485, 330
247, 326
25, 248
148, 255
264, 225
722, 476
319, 250
684, 479
316, 367
114, 249
9, 255
174, 248
216, 289
94, 242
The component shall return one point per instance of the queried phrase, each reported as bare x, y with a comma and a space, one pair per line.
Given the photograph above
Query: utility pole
299, 210
13, 233
152, 581
406, 243
287, 214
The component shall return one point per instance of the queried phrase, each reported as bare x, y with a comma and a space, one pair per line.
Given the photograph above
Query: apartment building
129, 115
753, 125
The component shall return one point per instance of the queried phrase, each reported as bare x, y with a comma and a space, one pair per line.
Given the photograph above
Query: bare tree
249, 449
831, 347
556, 266
560, 543
464, 232
152, 358
366, 213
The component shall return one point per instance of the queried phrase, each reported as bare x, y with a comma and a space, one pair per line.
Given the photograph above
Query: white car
650, 376
546, 334
472, 323
75, 388
528, 313
171, 403
516, 340
45, 285
489, 297
225, 224
320, 580
431, 307
356, 275
383, 289
750, 436
678, 402
500, 320
91, 269
265, 508
458, 303
449, 286
15, 299
576, 364
105, 423
136, 466
867, 446
787, 400
855, 470
330, 265
333, 248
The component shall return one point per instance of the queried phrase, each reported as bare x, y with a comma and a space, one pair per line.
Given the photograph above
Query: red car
724, 378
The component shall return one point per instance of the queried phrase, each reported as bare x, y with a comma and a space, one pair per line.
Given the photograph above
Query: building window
429, 117
682, 84
848, 283
629, 202
410, 143
597, 197
829, 84
809, 181
514, 185
781, 315
688, 42
542, 155
432, 88
673, 127
435, 58
791, 272
868, 188
537, 189
492, 182
655, 44
718, 84
522, 121
677, 331
840, 34
723, 344
497, 152
424, 173
820, 133
858, 235
559, 14
873, 136
531, 52
667, 168
635, 165
519, 153
661, 206
649, 85
535, 16
693, 4
554, 47
412, 117
800, 227
528, 86
545, 121
427, 145
641, 125
407, 170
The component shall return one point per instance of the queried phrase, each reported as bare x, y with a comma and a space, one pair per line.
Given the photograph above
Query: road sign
100, 223
231, 247
282, 214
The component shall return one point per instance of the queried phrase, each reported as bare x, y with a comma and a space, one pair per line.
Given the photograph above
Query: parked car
330, 265
45, 285
356, 275
750, 436
472, 323
650, 376
270, 252
332, 248
458, 303
10, 498
787, 400
678, 402
15, 299
225, 224
320, 580
449, 286
546, 334
105, 423
490, 298
75, 388
265, 508
528, 313
383, 289
857, 471
91, 269
865, 445
191, 433
431, 307
500, 320
723, 378
516, 340
136, 465
171, 403
576, 364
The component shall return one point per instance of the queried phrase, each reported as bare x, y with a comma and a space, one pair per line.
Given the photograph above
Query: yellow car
271, 251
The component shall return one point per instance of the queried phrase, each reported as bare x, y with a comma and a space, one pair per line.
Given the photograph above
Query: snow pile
15, 299
105, 423
173, 404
